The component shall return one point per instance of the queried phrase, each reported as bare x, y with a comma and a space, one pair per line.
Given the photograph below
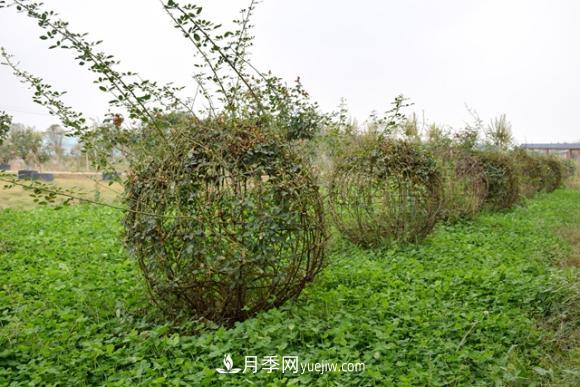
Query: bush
384, 190
463, 183
569, 168
555, 174
228, 224
532, 172
502, 180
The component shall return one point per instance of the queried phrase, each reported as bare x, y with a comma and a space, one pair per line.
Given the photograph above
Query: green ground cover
477, 303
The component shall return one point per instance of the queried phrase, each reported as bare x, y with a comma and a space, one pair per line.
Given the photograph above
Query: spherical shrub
502, 180
384, 190
531, 170
464, 186
229, 222
569, 167
554, 175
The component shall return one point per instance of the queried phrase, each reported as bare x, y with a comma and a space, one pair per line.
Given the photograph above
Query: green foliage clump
570, 168
227, 224
464, 185
503, 184
541, 172
25, 143
384, 190
5, 122
499, 133
532, 170
554, 178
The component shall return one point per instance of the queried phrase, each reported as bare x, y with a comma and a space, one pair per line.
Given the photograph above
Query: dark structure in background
27, 174
45, 176
569, 151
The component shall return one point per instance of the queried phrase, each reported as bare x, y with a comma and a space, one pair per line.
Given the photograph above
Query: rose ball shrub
569, 168
384, 190
464, 186
503, 183
532, 172
555, 174
227, 222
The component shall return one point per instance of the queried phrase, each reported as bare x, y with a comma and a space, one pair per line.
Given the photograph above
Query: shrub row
383, 190
231, 222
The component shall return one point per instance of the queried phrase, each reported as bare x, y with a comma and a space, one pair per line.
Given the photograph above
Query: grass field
493, 301
85, 186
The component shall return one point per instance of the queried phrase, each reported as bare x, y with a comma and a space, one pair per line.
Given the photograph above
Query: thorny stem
111, 75
221, 53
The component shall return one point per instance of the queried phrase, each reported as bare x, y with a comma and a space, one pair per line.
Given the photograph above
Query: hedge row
384, 190
231, 220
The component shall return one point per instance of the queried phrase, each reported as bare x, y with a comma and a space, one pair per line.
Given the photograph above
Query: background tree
5, 121
27, 144
54, 140
6, 152
499, 133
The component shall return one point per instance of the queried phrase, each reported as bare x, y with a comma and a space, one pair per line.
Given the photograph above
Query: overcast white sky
519, 57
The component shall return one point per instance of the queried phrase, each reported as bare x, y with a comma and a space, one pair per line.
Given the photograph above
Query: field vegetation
489, 301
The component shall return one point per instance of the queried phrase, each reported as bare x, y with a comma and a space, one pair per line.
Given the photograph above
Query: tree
5, 121
499, 133
27, 144
6, 152
54, 140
